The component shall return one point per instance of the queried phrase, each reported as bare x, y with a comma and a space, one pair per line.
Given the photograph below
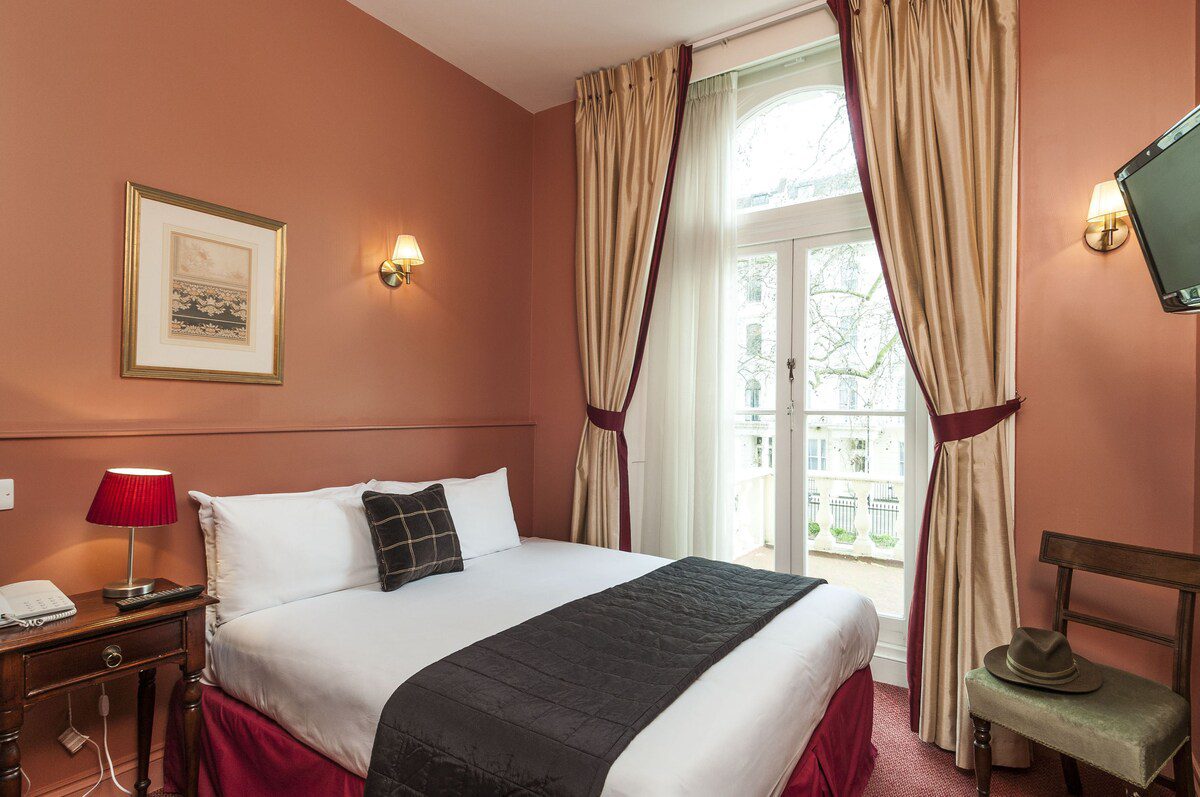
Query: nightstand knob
112, 656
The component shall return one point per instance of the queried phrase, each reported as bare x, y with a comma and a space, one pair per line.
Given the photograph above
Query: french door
831, 443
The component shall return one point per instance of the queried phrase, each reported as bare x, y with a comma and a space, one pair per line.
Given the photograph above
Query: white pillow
275, 552
480, 507
264, 550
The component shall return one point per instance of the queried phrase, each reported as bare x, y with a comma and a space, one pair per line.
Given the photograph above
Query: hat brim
1089, 679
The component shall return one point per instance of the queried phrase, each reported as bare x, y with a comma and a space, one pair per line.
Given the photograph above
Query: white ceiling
531, 51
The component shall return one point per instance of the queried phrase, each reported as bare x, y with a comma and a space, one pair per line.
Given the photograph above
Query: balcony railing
856, 513
853, 514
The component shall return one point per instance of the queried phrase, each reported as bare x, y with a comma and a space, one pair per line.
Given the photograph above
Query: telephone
32, 603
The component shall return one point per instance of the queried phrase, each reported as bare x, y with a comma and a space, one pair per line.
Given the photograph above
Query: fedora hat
1042, 658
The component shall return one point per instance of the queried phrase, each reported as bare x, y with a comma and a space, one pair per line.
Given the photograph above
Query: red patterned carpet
907, 767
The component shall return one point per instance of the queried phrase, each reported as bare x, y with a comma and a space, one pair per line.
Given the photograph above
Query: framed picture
203, 291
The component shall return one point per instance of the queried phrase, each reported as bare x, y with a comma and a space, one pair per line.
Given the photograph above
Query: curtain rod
751, 27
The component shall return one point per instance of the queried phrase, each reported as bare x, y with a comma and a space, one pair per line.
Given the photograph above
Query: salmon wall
1106, 443
557, 381
313, 113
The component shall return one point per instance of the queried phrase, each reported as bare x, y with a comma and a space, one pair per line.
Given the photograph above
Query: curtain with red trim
627, 123
931, 96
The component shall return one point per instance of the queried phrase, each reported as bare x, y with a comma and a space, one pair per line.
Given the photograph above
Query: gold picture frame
194, 306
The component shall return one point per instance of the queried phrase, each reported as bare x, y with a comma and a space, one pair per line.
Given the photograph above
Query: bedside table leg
191, 732
10, 752
145, 728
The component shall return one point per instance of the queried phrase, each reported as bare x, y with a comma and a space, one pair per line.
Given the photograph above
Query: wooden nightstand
99, 644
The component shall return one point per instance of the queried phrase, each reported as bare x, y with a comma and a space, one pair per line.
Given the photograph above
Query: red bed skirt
243, 752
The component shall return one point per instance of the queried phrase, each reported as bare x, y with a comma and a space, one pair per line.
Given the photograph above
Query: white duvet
323, 667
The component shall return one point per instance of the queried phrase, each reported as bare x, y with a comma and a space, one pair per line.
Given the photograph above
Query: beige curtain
937, 84
625, 123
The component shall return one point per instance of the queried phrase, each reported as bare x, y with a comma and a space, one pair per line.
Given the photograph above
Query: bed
323, 667
309, 678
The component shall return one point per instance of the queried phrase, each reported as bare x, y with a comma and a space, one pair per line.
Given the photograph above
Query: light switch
6, 493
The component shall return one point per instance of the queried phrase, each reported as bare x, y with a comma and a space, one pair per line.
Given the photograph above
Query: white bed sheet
323, 667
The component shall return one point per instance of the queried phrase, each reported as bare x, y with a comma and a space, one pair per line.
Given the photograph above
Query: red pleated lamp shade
137, 497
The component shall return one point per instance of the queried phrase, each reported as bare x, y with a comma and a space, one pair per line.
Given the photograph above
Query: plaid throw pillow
414, 535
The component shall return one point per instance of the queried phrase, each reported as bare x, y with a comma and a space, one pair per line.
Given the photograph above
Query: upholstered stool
1130, 727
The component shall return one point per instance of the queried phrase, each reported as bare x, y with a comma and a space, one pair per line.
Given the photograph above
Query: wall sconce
397, 270
1107, 228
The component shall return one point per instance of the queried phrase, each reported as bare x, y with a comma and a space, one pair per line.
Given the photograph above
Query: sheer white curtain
688, 504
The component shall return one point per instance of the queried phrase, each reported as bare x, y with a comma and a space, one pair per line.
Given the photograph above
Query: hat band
1038, 676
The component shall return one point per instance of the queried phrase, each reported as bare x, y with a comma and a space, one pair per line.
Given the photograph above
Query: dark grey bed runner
545, 707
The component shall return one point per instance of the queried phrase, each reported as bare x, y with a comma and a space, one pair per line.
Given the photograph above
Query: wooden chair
1129, 727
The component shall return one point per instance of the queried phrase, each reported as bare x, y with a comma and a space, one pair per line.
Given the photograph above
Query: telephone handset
31, 603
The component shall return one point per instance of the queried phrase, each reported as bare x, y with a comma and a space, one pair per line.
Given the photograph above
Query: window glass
855, 358
755, 309
854, 508
796, 149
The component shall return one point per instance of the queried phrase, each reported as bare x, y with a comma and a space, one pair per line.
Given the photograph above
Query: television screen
1161, 187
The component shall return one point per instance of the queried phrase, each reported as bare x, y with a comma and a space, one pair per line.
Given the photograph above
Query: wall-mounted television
1161, 187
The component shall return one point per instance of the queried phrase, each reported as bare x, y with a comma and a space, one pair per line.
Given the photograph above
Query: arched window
795, 149
753, 393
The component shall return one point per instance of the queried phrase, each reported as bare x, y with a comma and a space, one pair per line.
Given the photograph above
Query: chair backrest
1178, 571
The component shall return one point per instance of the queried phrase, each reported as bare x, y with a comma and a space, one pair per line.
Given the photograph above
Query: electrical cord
88, 740
36, 622
100, 757
99, 761
104, 718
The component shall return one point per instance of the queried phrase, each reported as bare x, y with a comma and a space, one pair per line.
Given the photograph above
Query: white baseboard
890, 664
125, 768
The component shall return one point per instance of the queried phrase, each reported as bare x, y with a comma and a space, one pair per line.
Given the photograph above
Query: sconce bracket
1106, 237
394, 275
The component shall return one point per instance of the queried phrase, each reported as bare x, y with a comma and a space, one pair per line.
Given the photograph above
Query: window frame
791, 230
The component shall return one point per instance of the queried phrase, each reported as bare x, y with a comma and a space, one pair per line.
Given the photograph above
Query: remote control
161, 596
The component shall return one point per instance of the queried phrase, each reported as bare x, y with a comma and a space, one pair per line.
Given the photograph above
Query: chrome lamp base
130, 586
127, 589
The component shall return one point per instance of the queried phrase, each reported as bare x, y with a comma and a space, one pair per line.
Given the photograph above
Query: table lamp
136, 498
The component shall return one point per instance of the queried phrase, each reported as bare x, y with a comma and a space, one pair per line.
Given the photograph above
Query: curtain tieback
961, 425
608, 420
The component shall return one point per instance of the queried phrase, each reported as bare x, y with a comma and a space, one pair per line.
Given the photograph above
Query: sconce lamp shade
1106, 200
407, 253
134, 497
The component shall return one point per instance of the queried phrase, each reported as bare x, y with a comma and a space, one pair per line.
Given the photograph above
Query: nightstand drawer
52, 669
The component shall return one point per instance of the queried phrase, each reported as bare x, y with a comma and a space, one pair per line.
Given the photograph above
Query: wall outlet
6, 494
